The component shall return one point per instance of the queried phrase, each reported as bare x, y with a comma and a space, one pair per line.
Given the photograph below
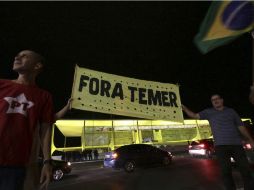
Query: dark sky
144, 40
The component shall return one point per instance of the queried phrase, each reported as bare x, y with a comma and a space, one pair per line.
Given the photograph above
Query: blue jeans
12, 178
224, 154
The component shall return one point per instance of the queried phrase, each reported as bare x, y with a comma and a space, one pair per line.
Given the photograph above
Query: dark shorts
224, 154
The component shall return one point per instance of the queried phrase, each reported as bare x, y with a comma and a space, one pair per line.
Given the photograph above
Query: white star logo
19, 104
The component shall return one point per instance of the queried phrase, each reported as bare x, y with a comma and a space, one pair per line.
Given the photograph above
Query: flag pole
251, 96
252, 35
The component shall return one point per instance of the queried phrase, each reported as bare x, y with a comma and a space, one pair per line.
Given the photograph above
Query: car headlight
68, 163
114, 155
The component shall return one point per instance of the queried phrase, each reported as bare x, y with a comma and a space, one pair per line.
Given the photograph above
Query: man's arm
247, 135
190, 113
46, 172
64, 110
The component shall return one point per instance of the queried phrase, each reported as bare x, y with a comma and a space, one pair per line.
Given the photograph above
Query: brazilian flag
224, 22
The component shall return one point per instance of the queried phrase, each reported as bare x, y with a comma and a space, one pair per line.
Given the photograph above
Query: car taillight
114, 155
247, 146
202, 145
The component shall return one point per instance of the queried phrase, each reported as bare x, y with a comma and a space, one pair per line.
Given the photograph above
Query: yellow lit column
53, 147
83, 141
139, 135
112, 139
135, 136
157, 135
198, 136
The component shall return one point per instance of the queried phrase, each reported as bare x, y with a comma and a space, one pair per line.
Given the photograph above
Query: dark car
249, 153
131, 156
59, 168
248, 149
204, 147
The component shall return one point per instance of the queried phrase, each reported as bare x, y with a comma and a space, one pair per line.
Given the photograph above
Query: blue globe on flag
238, 15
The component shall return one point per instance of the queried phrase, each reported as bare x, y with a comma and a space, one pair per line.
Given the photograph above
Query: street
185, 173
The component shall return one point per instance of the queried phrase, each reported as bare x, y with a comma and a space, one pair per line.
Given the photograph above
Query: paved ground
184, 174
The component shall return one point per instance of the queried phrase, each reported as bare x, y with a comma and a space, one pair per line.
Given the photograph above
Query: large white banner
107, 93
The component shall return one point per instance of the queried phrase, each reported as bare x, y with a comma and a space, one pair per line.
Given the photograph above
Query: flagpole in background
251, 95
252, 35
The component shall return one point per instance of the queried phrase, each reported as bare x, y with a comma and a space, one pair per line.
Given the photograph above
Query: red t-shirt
22, 108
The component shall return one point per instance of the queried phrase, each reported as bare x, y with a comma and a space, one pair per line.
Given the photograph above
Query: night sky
143, 40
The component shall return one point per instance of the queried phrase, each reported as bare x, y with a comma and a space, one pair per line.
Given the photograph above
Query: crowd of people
77, 156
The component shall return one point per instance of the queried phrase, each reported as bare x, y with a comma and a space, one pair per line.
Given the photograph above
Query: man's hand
183, 107
190, 113
46, 176
69, 103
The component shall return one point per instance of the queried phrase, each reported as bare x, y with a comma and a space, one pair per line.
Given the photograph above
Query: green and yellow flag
224, 22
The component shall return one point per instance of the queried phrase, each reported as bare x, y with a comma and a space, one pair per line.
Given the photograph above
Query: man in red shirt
26, 114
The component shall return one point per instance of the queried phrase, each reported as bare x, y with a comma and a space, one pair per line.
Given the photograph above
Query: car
129, 157
59, 168
248, 149
249, 153
204, 147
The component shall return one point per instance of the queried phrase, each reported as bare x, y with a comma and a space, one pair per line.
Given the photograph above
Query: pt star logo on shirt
18, 104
